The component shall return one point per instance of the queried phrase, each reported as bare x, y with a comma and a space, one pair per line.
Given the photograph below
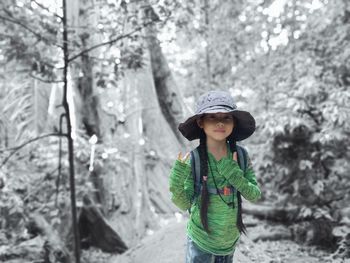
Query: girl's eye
216, 118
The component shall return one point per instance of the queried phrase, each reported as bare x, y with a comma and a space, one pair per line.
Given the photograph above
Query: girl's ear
200, 123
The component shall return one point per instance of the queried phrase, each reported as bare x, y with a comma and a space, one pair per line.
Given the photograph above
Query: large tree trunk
140, 185
144, 145
95, 230
82, 18
168, 94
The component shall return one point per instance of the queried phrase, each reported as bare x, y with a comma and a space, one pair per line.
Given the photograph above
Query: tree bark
168, 94
82, 74
94, 230
140, 185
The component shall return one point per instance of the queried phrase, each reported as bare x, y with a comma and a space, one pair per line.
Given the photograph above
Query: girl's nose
219, 124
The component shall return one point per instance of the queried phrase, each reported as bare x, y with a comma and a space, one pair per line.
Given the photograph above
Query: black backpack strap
195, 165
242, 158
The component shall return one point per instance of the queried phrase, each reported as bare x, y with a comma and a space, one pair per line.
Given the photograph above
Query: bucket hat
218, 101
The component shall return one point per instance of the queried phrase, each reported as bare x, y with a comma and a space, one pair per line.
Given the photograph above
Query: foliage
44, 190
291, 69
299, 90
306, 115
31, 55
303, 120
288, 66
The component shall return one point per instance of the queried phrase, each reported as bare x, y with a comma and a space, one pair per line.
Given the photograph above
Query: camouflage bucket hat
218, 102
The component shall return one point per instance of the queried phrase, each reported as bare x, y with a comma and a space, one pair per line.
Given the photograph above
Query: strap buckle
227, 190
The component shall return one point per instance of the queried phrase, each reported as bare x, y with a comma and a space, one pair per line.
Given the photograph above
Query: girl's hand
183, 159
234, 156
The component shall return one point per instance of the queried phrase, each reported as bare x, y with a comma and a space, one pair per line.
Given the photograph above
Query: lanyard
229, 204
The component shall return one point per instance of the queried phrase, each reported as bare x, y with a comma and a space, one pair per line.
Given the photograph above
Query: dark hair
203, 155
241, 227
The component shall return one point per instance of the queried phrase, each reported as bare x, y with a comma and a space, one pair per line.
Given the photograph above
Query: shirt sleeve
181, 185
244, 182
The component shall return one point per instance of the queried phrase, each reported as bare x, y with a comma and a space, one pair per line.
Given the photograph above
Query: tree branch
39, 36
22, 25
47, 9
110, 42
17, 148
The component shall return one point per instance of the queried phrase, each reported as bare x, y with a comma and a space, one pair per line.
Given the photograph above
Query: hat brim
244, 125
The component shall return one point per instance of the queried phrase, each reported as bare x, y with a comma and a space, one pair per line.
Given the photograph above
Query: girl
215, 222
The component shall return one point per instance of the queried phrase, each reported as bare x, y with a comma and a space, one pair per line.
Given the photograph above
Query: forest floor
167, 245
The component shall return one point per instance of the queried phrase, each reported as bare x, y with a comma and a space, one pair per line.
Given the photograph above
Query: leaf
341, 231
305, 212
12, 210
318, 187
305, 164
56, 221
53, 213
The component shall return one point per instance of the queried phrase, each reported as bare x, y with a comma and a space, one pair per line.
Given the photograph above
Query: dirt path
168, 246
165, 246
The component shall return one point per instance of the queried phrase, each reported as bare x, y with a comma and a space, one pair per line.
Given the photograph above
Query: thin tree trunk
69, 137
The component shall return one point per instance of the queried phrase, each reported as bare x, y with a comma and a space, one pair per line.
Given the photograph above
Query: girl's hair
240, 224
203, 154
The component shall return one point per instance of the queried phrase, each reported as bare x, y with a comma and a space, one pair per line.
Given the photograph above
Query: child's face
217, 126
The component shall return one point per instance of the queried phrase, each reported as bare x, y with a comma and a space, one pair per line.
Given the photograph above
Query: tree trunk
94, 230
151, 146
138, 188
82, 74
168, 94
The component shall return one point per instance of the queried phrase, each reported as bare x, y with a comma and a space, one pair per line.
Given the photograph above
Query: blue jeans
195, 255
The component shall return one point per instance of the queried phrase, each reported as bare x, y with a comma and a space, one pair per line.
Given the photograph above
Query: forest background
131, 72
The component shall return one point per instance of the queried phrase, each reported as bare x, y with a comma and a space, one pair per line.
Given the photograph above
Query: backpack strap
195, 164
242, 162
221, 191
242, 158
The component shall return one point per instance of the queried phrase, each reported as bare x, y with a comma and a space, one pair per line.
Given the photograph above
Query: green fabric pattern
222, 219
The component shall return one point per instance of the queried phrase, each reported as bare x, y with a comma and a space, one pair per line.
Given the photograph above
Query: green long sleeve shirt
222, 219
